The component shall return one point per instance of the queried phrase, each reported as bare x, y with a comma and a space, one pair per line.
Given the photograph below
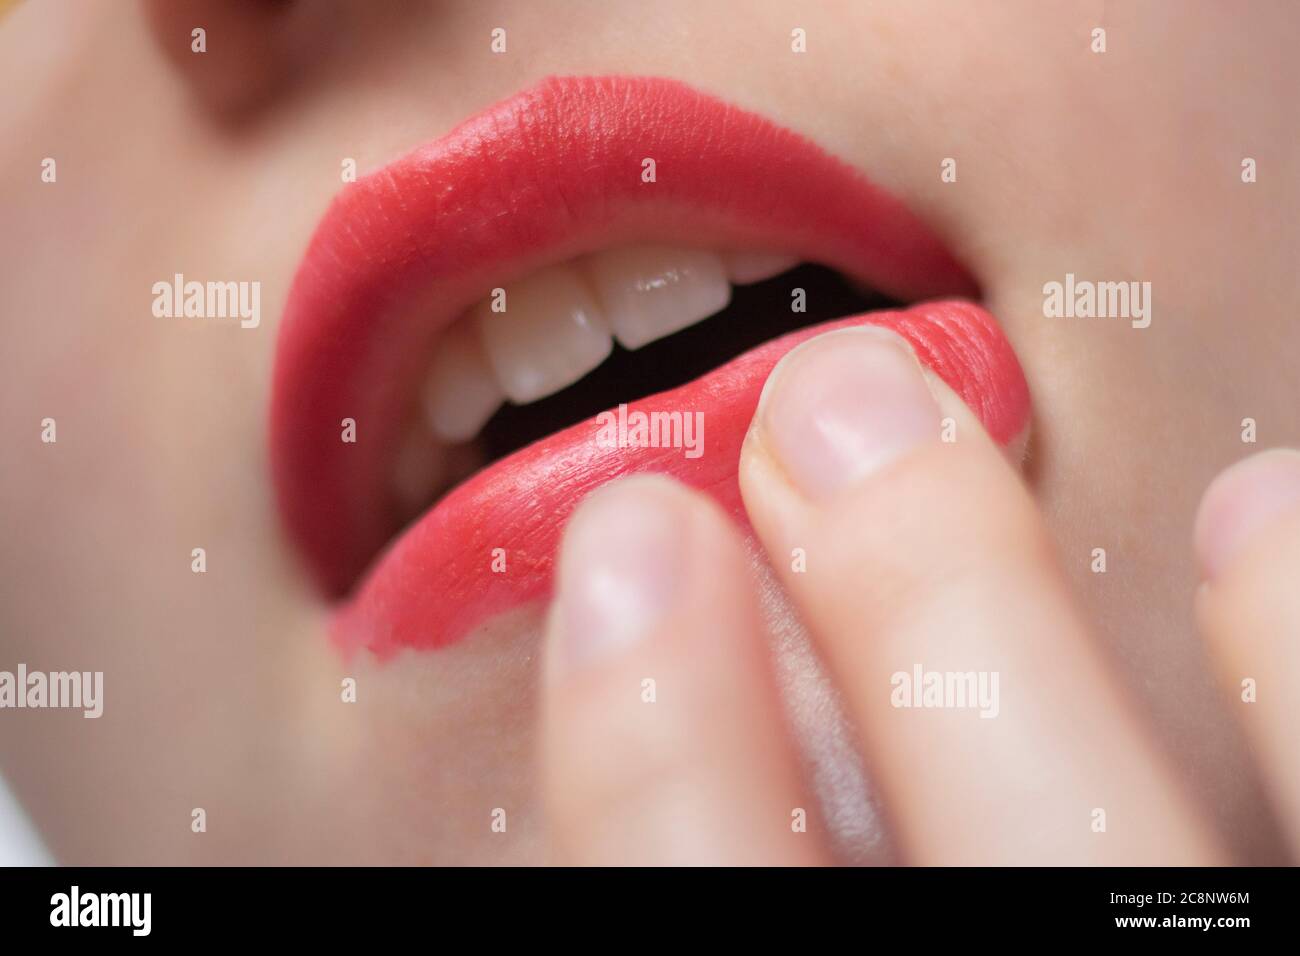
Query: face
345, 672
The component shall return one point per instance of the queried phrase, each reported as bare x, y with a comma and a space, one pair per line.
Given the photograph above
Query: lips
550, 174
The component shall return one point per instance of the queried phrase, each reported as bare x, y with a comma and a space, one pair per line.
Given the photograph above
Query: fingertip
620, 568
663, 735
1240, 503
841, 406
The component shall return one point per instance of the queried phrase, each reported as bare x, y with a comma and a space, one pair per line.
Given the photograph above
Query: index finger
994, 730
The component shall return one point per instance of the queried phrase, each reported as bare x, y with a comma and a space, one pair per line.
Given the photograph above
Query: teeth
648, 292
461, 393
557, 328
744, 268
551, 334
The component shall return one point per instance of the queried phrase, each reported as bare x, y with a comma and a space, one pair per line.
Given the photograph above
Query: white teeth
551, 334
744, 268
461, 393
556, 328
648, 292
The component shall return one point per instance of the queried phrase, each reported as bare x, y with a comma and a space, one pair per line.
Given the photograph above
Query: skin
221, 689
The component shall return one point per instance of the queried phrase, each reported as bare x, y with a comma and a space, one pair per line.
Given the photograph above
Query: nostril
235, 55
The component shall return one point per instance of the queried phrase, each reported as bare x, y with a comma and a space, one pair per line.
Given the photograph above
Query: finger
1248, 548
664, 741
993, 729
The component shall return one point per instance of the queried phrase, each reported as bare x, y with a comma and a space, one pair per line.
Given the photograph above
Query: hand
921, 554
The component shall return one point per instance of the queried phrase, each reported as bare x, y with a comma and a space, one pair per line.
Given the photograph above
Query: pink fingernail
844, 404
620, 567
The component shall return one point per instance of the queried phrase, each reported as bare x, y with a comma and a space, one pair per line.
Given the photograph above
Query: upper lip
548, 174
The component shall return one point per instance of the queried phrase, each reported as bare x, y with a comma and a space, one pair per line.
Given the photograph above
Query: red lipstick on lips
435, 585
547, 175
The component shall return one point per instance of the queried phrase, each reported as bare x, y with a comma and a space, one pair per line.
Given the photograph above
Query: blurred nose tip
234, 55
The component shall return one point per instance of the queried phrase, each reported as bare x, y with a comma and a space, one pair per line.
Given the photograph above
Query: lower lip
489, 546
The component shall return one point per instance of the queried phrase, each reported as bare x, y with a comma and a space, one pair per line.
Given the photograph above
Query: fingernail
842, 405
1241, 502
620, 567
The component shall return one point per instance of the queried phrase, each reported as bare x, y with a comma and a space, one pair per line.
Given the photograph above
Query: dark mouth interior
758, 313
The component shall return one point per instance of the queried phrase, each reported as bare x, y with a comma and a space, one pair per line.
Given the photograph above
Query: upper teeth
651, 291
550, 333
554, 327
744, 268
461, 393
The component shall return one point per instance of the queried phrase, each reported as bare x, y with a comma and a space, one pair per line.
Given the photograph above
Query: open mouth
579, 338
465, 315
